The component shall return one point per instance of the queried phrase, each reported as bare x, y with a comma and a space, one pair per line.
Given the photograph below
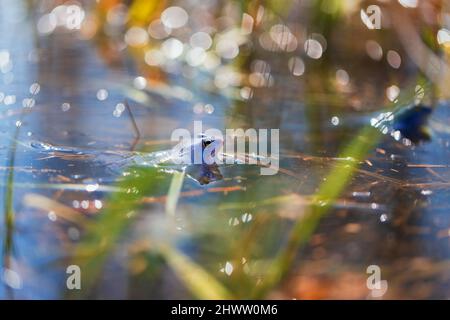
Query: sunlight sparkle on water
174, 17
92, 187
228, 269
5, 61
172, 48
65, 106
120, 107
233, 221
28, 103
84, 204
313, 49
283, 37
98, 204
201, 40
296, 65
246, 217
392, 92
140, 83
154, 57
361, 194
394, 59
102, 94
195, 56
335, 121
246, 93
47, 24
136, 37
158, 30
342, 77
35, 88
12, 279
52, 216
227, 48
374, 50
409, 3
443, 37
209, 108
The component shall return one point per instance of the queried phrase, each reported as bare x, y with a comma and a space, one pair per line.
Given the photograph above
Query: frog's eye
206, 142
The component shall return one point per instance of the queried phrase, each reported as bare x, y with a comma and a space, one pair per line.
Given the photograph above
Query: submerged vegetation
92, 91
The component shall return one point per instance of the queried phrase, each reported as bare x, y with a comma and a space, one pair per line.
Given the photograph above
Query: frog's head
210, 147
200, 150
207, 171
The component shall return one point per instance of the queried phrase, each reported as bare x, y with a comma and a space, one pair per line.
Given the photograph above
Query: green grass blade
328, 192
196, 279
174, 192
102, 237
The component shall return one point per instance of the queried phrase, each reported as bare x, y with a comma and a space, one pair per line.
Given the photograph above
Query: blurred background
107, 78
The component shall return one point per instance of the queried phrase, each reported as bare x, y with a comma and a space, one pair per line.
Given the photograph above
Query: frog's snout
216, 142
211, 147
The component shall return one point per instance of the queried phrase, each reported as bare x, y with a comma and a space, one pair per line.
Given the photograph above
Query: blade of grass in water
174, 192
9, 216
9, 210
101, 238
45, 204
328, 192
196, 279
97, 244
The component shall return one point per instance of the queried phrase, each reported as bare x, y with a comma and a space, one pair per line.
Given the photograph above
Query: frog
203, 170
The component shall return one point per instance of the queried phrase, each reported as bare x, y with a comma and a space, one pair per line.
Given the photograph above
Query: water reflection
230, 67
